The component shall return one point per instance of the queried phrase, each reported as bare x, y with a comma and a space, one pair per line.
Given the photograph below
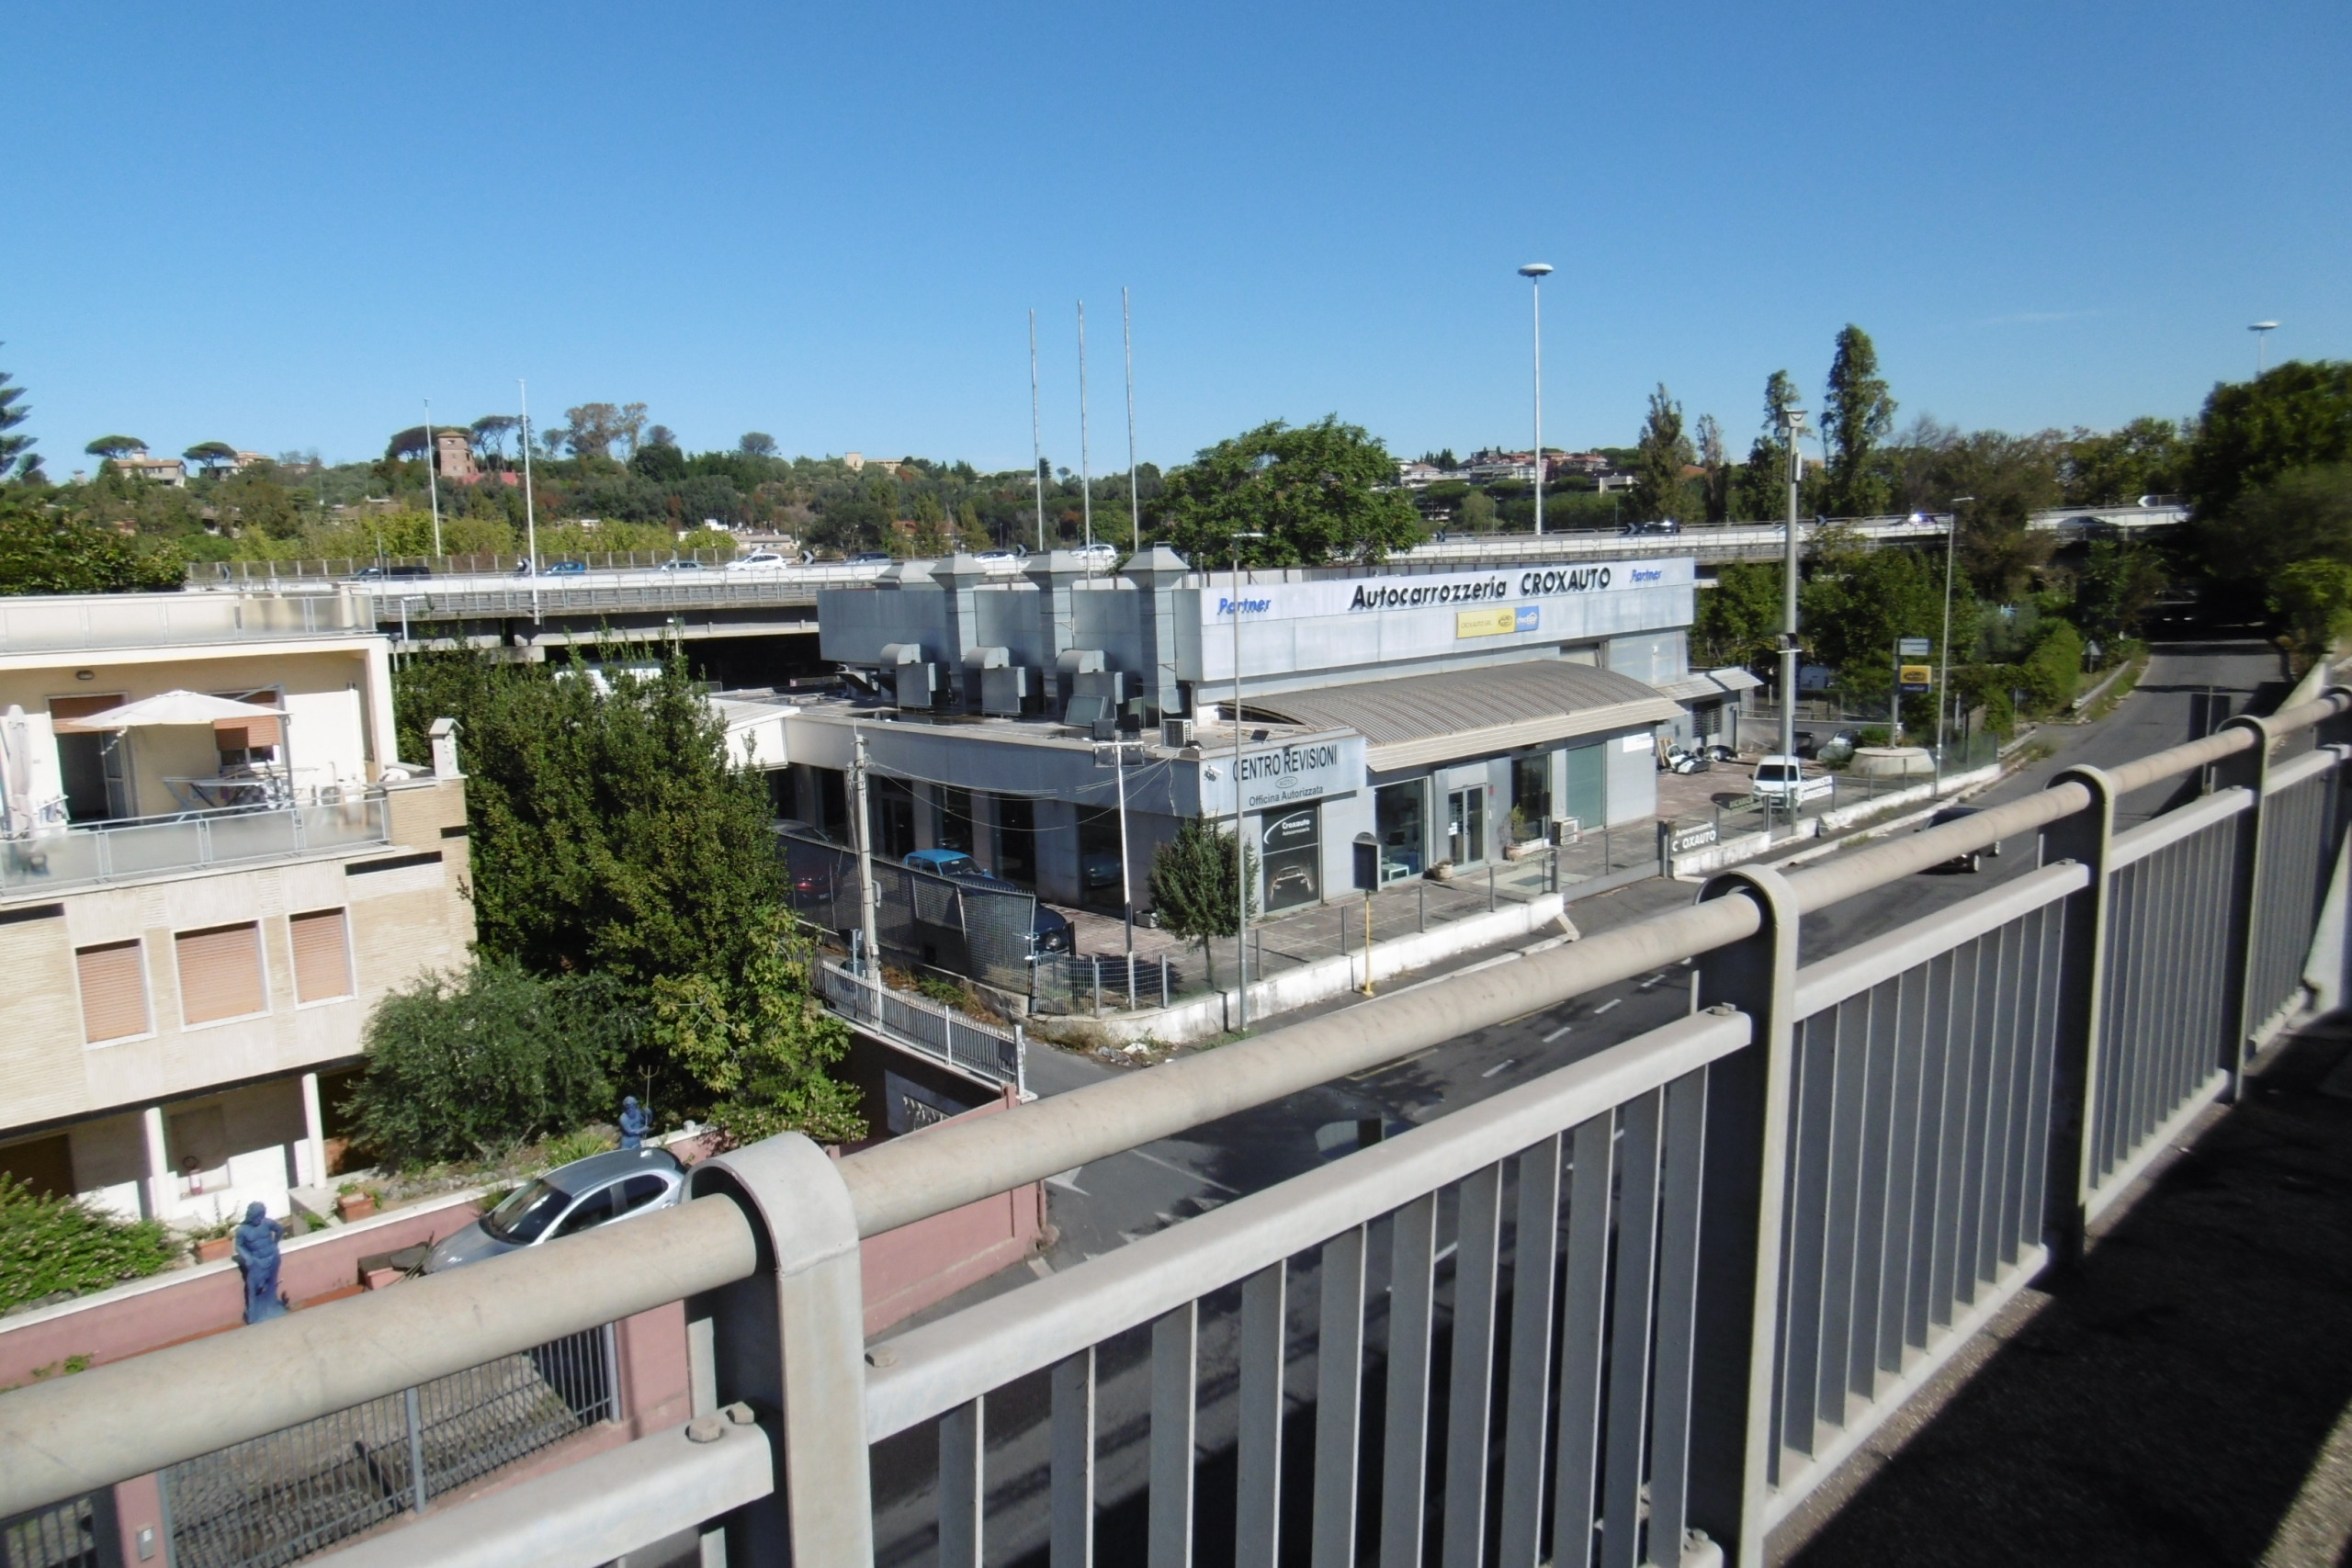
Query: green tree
1740, 618
1859, 602
610, 832
211, 453
1663, 452
2116, 468
2252, 433
2119, 585
1856, 416
2315, 597
491, 432
1477, 514
756, 444
407, 444
659, 461
1319, 492
2296, 515
16, 455
1760, 493
114, 447
1715, 487
473, 1066
2050, 670
1193, 887
253, 498
46, 550
754, 1041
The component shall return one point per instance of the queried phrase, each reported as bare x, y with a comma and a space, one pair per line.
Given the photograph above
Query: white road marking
1191, 1175
1557, 1032
1498, 1066
1606, 1006
1067, 1181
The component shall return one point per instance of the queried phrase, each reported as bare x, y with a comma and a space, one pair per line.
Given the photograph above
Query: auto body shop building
1450, 713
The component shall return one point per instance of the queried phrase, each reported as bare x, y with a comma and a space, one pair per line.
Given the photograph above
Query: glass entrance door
1398, 818
1465, 825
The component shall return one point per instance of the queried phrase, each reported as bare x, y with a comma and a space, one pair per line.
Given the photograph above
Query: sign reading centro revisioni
1356, 596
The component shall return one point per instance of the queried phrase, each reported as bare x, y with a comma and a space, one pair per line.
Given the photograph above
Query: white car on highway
1781, 780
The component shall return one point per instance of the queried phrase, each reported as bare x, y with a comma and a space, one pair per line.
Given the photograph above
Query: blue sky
285, 226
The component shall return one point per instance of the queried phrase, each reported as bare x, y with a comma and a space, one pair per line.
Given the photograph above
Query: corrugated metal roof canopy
1421, 719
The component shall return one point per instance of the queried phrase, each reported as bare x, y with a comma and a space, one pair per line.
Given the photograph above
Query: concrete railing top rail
67, 1436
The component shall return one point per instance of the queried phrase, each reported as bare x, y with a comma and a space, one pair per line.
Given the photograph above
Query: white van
1781, 780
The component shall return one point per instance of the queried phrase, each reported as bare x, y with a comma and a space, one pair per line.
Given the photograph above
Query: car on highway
1660, 526
1050, 930
391, 573
1969, 860
680, 566
999, 557
601, 1190
758, 560
1098, 554
553, 569
869, 558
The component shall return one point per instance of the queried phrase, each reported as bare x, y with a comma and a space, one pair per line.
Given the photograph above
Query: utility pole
1037, 434
863, 827
1085, 463
1943, 681
1535, 272
1241, 841
1793, 420
1135, 492
530, 511
432, 477
1126, 885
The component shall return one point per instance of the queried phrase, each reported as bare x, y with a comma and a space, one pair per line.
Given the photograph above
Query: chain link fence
276, 1500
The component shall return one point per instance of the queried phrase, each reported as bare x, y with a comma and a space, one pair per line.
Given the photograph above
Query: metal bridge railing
1652, 1297
988, 1052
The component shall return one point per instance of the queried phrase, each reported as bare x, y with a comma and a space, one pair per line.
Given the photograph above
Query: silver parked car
565, 1202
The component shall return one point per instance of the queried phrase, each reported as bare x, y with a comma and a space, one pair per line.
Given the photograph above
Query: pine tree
1192, 888
1857, 416
1663, 451
17, 454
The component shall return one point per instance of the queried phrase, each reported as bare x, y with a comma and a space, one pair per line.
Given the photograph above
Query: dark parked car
390, 573
1048, 929
870, 557
1971, 859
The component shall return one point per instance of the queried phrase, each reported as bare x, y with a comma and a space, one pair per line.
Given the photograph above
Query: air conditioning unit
916, 685
1008, 691
1175, 733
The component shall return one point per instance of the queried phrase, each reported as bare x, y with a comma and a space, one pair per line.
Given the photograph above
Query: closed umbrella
16, 771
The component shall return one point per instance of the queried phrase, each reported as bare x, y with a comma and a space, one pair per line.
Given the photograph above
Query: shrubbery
49, 1245
471, 1067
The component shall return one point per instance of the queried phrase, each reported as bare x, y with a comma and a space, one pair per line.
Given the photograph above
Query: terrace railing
1633, 1312
189, 841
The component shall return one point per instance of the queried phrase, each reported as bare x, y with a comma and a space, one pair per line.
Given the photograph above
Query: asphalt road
1105, 1204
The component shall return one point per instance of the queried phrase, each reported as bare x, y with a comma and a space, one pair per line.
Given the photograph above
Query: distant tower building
457, 457
854, 462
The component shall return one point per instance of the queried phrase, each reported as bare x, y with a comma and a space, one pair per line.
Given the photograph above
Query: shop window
1531, 789
1587, 793
831, 794
892, 801
321, 955
954, 831
1399, 812
220, 973
113, 990
1016, 840
1098, 857
1291, 851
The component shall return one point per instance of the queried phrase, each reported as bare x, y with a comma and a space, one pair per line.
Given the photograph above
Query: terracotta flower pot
212, 1249
356, 1205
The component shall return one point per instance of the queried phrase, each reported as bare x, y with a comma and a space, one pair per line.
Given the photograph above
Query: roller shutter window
221, 973
113, 991
321, 961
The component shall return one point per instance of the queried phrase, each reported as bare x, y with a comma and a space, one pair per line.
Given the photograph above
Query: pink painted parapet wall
187, 1303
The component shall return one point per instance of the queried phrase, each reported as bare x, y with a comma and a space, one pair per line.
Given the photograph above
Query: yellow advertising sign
1500, 621
1915, 677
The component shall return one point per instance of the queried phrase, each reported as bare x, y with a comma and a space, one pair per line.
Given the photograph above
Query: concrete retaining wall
1747, 846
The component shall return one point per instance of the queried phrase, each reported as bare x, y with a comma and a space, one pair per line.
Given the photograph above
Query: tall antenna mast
1134, 502
1037, 436
530, 510
432, 478
1085, 474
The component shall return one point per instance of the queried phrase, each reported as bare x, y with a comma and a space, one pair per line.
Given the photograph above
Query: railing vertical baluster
962, 1487
1583, 1320
1175, 1349
1404, 1472
1534, 1250
1073, 1461
415, 1448
1735, 1337
1258, 1508
1338, 1401
2249, 769
1678, 1286
1629, 1340
1470, 1403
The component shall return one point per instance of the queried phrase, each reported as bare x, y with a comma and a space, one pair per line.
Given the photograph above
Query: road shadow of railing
2169, 1399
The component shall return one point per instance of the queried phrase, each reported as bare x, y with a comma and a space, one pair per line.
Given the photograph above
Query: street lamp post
1943, 681
1535, 272
1793, 420
1240, 845
2261, 331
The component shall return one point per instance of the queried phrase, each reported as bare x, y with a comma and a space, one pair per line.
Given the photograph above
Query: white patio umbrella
16, 771
184, 707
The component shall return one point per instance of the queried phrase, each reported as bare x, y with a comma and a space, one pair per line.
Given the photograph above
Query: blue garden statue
635, 1123
257, 1259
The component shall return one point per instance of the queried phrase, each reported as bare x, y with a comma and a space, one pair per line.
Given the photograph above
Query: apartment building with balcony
212, 863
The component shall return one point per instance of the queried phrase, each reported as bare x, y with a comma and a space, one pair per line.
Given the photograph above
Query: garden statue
635, 1123
257, 1259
